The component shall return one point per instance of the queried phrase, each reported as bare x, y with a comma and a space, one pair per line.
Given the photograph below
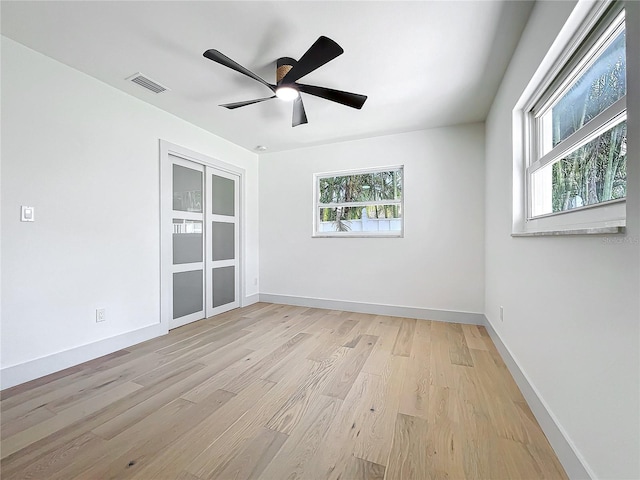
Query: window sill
357, 235
577, 231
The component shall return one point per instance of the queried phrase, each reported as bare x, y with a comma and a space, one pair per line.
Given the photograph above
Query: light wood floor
278, 392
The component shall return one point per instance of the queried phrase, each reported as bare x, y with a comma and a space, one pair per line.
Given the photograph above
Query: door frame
168, 149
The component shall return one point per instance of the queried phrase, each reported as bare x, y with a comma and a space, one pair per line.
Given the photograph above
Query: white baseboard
573, 463
24, 372
251, 299
376, 309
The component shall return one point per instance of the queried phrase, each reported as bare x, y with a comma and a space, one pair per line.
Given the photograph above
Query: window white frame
590, 29
317, 205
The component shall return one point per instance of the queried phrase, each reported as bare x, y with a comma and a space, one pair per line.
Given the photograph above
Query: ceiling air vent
147, 83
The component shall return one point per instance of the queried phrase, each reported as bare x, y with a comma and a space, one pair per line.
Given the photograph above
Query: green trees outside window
596, 171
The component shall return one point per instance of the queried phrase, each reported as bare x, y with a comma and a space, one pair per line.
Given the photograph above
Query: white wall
571, 304
439, 262
86, 156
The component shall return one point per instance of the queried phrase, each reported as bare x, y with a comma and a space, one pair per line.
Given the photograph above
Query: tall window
359, 203
578, 126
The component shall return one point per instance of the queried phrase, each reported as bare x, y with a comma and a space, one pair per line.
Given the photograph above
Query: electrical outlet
501, 313
101, 315
255, 281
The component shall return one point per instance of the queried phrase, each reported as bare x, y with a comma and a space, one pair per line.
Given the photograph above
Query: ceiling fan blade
231, 106
353, 100
299, 115
222, 59
322, 51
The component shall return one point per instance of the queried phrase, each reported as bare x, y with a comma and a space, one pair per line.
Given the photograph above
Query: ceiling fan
289, 72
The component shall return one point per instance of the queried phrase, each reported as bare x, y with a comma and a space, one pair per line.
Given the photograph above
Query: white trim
369, 203
250, 299
210, 263
450, 316
573, 462
607, 119
39, 367
594, 48
357, 171
360, 171
581, 23
582, 20
170, 149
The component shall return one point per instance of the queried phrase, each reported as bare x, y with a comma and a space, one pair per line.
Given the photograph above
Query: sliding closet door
223, 241
200, 236
188, 253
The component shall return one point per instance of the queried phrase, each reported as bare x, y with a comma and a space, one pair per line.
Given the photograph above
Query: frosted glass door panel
187, 293
223, 240
222, 247
222, 196
224, 286
187, 189
187, 241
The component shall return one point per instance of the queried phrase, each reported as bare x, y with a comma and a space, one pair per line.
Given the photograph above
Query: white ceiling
422, 64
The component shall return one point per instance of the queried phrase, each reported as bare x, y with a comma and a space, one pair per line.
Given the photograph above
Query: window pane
187, 241
187, 189
187, 293
222, 240
594, 173
222, 195
599, 87
376, 218
361, 187
224, 286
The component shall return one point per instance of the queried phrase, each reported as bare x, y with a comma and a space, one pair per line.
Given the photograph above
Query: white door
200, 239
222, 233
187, 241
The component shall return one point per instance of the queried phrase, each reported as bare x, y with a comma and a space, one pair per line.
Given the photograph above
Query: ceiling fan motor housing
284, 65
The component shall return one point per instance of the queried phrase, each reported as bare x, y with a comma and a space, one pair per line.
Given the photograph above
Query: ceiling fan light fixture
288, 72
287, 93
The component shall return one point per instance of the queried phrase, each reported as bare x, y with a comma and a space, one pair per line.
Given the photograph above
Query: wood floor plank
94, 385
359, 469
274, 391
31, 388
135, 447
404, 340
65, 417
375, 425
171, 460
347, 373
293, 460
186, 476
275, 357
440, 363
234, 439
58, 459
255, 457
409, 457
74, 429
331, 461
473, 337
383, 348
29, 419
458, 350
332, 340
148, 406
414, 397
289, 415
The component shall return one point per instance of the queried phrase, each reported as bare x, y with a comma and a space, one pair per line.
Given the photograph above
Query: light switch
27, 214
